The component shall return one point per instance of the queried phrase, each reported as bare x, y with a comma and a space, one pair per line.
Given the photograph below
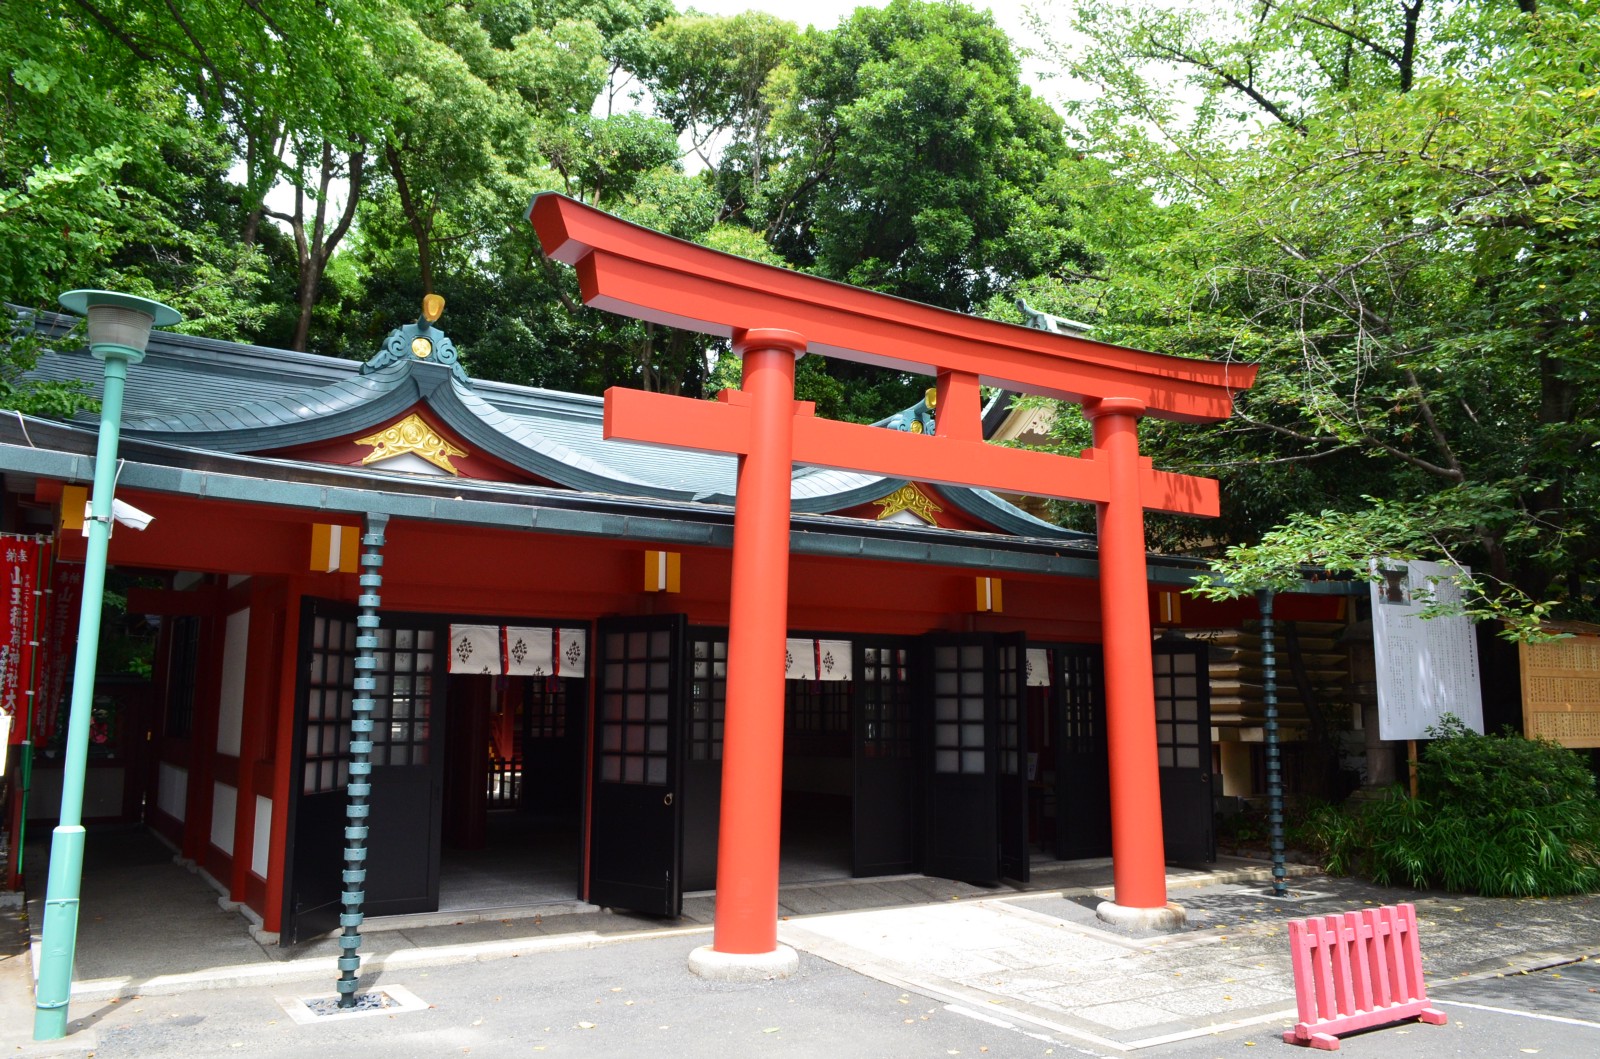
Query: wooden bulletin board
1561, 687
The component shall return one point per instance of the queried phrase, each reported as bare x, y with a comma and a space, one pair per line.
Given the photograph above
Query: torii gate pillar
745, 932
1138, 864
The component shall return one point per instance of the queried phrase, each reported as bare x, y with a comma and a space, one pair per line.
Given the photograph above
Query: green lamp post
119, 330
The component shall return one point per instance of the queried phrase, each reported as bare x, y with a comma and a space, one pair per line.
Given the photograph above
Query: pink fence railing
1355, 971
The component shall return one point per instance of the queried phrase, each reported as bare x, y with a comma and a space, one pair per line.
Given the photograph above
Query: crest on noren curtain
475, 649
799, 660
545, 652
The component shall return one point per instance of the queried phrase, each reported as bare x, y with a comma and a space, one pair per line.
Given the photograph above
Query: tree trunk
418, 218
315, 249
306, 296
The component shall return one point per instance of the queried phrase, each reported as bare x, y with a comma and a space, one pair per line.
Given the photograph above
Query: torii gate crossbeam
772, 316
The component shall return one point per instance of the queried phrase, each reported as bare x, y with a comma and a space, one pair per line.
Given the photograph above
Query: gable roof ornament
411, 435
420, 341
918, 419
909, 498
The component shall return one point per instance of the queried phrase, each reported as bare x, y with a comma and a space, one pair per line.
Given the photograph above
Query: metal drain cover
1292, 895
389, 1000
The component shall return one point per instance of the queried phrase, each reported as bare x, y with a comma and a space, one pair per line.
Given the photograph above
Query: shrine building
556, 580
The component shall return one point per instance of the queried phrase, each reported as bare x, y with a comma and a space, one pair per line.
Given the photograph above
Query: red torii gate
772, 316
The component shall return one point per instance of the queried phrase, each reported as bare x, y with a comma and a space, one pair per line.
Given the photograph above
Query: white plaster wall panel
263, 838
172, 790
224, 804
230, 705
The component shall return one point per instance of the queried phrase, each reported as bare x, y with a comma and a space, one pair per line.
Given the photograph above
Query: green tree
914, 160
141, 140
708, 76
1391, 207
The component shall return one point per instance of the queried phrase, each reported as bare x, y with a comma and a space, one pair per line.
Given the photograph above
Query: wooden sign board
1427, 667
1561, 688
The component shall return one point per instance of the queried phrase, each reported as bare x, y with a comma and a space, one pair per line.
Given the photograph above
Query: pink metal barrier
1355, 971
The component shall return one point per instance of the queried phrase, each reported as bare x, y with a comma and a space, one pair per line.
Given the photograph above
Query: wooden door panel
884, 828
635, 833
1183, 747
1083, 778
1011, 772
962, 838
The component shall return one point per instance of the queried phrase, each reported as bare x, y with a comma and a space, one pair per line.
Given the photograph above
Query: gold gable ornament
413, 435
908, 498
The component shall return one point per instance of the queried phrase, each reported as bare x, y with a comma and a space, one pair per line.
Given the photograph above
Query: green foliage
1498, 815
1248, 831
915, 161
1464, 771
1312, 545
708, 76
1390, 209
20, 347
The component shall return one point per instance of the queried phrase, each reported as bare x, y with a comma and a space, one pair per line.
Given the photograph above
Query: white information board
1426, 668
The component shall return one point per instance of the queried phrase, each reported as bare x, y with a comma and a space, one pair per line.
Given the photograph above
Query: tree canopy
1389, 205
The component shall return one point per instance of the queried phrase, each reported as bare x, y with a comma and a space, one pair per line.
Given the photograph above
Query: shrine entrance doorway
513, 790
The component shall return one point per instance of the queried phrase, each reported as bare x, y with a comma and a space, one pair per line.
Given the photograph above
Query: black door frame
960, 762
315, 823
1083, 767
1183, 748
886, 753
634, 835
1010, 677
704, 711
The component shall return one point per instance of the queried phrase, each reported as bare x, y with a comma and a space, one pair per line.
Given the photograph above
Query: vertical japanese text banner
19, 574
59, 643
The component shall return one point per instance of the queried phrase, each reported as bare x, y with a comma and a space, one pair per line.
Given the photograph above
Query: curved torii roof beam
644, 274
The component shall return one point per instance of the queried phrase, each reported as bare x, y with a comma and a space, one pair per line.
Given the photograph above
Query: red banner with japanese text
21, 562
58, 646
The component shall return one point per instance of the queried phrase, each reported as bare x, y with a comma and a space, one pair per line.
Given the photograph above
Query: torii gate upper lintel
773, 315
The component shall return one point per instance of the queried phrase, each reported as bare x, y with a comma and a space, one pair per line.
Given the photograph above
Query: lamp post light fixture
119, 330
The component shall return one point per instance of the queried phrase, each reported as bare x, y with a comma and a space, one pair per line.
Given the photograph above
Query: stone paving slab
1047, 959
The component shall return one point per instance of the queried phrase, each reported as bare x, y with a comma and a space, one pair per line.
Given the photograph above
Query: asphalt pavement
909, 967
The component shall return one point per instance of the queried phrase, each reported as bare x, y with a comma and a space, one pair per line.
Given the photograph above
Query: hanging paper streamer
475, 649
800, 660
1038, 667
833, 660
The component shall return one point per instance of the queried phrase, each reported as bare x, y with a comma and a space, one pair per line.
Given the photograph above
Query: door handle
666, 799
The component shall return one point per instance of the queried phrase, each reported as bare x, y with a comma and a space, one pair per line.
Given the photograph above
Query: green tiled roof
234, 398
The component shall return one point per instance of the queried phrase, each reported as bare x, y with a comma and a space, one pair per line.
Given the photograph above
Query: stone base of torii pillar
744, 966
1167, 917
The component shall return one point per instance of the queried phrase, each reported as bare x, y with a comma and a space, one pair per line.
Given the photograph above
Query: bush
1500, 815
1249, 830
